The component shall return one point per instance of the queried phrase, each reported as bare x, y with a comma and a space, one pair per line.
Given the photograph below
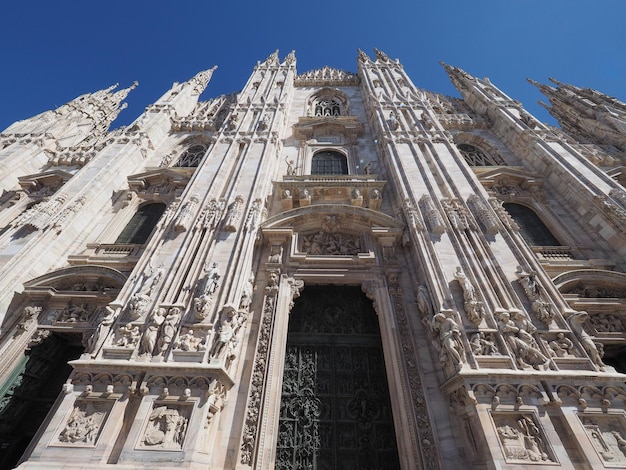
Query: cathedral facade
324, 270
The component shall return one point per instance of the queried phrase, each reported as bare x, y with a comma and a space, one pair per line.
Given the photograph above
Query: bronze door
335, 409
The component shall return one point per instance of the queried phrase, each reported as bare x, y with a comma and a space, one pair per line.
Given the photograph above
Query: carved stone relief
85, 422
324, 243
522, 438
484, 344
166, 427
608, 436
518, 332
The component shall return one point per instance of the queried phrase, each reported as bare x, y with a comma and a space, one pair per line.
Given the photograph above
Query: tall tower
322, 270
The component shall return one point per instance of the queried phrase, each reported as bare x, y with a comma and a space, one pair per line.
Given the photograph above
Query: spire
121, 95
363, 57
381, 56
458, 76
291, 58
200, 81
545, 89
272, 59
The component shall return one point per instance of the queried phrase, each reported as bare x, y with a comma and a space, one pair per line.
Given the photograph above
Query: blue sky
52, 52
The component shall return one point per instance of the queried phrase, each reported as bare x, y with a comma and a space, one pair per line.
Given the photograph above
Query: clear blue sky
52, 52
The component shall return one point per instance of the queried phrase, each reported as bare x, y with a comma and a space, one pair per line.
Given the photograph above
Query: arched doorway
335, 407
29, 394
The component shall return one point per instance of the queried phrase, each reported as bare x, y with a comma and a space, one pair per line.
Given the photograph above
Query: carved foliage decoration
326, 76
258, 373
425, 436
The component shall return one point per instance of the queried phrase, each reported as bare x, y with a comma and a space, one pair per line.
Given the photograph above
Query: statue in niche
529, 282
151, 333
576, 321
168, 329
469, 292
449, 338
520, 341
276, 254
393, 121
424, 304
84, 423
369, 168
248, 290
166, 428
212, 276
227, 340
473, 307
204, 302
225, 334
152, 280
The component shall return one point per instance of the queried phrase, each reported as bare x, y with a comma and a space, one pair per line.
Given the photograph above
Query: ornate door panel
335, 409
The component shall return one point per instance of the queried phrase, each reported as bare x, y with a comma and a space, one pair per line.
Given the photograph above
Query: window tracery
192, 156
328, 103
476, 157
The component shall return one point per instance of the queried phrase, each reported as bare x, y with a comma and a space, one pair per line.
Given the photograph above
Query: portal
335, 408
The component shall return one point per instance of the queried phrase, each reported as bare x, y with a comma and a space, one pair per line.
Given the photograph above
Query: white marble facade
492, 247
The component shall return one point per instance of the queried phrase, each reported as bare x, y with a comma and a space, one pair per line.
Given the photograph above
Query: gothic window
532, 229
335, 409
329, 162
327, 107
192, 156
138, 230
476, 157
